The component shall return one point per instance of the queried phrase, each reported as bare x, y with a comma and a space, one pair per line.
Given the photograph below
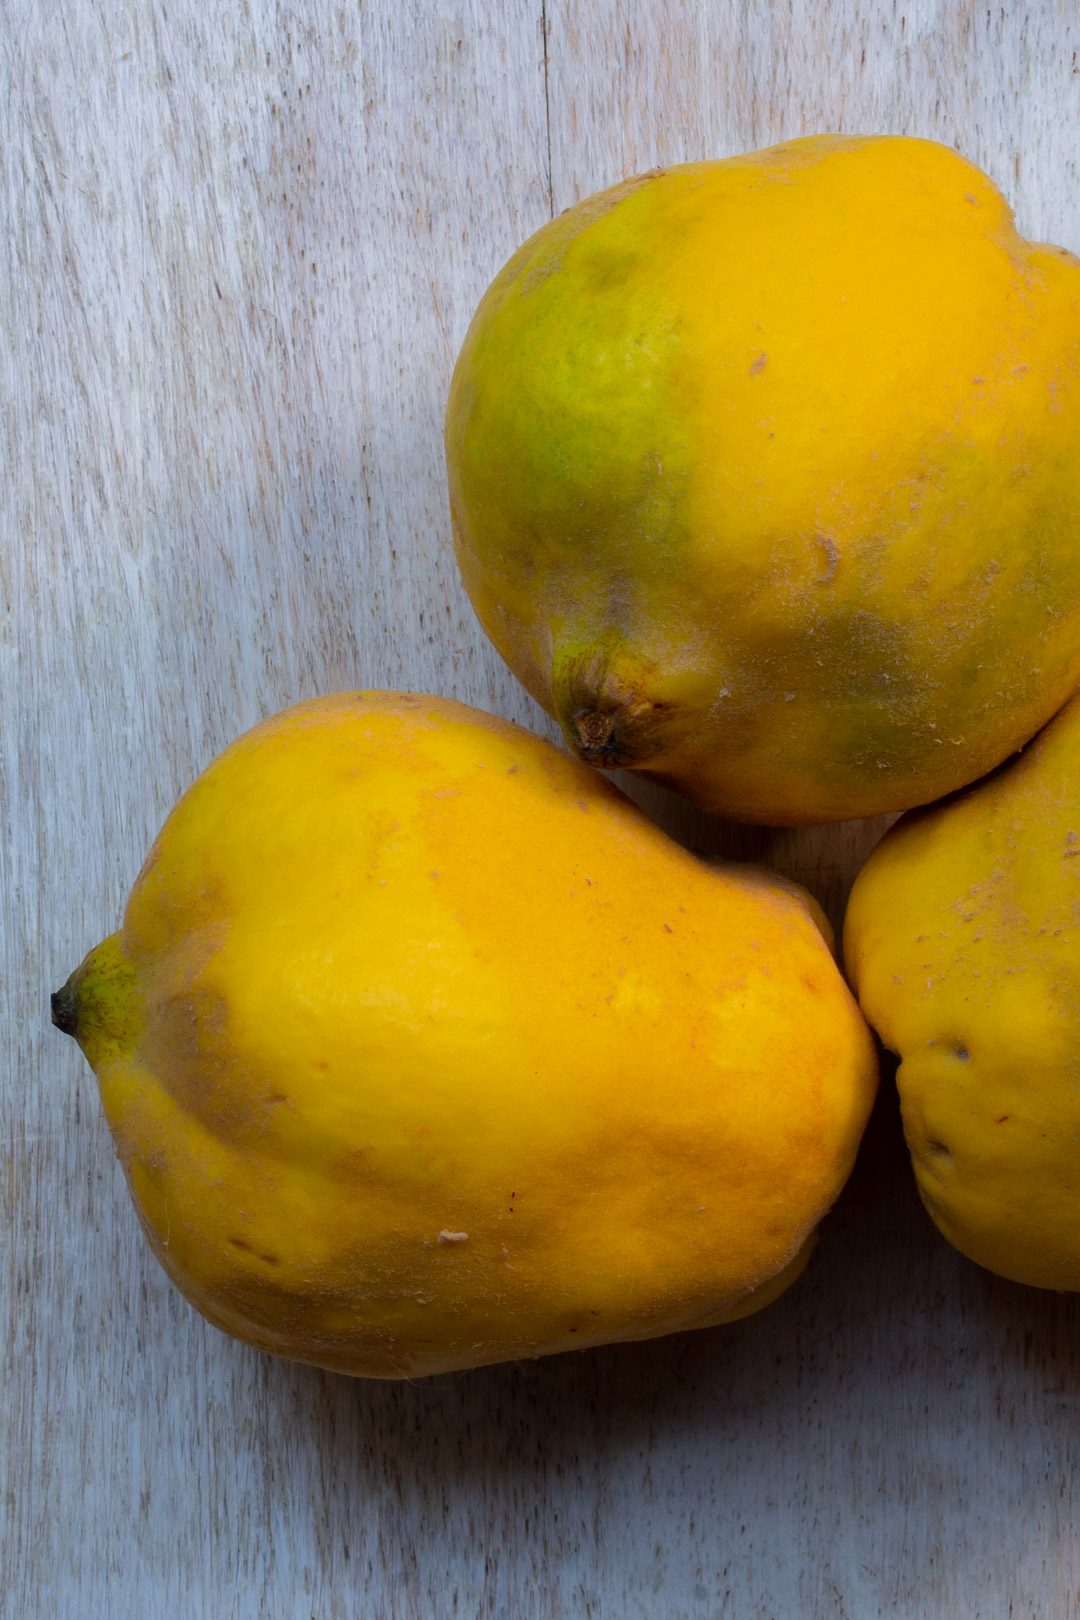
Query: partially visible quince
962, 939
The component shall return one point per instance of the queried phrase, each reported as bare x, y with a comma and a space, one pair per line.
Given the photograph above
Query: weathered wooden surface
241, 247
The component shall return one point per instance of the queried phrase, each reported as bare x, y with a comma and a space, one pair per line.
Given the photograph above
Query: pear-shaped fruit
423, 1048
765, 476
962, 940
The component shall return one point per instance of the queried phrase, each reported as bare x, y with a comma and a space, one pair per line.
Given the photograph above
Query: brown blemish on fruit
246, 1248
832, 556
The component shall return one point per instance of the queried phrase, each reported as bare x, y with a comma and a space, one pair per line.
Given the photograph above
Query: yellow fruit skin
423, 1048
765, 481
961, 941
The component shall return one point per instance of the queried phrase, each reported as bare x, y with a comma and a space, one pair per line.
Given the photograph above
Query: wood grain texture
242, 246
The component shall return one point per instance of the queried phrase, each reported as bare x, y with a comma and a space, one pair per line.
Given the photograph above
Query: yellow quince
422, 1048
764, 476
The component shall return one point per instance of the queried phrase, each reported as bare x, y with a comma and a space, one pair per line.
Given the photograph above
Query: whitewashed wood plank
242, 247
636, 86
907, 1462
